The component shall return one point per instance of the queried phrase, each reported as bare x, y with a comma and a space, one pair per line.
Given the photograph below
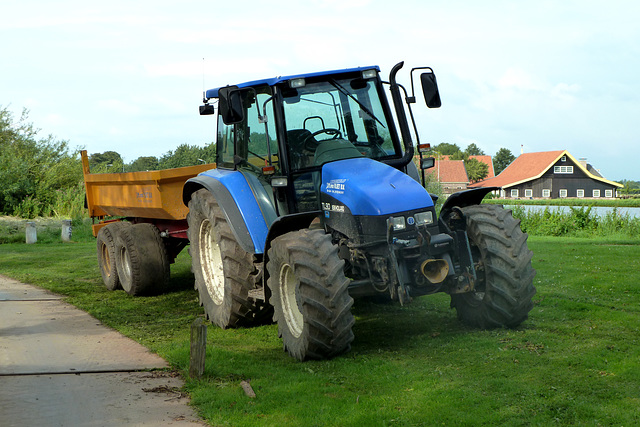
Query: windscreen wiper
350, 95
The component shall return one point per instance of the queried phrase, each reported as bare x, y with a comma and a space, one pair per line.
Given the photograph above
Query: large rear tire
224, 272
504, 289
141, 259
106, 250
309, 293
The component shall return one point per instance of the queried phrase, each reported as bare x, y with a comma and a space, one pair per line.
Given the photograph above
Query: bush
577, 222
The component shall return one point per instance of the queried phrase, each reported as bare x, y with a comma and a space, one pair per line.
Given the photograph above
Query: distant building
551, 175
452, 174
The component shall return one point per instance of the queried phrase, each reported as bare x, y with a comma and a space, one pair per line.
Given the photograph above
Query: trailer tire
503, 293
141, 259
309, 293
224, 272
106, 250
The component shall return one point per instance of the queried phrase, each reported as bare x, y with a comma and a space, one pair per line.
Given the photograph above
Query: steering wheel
310, 142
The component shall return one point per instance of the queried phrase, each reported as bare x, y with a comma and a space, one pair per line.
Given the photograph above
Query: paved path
61, 367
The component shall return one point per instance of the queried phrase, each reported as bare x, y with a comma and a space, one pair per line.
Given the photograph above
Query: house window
608, 193
563, 159
596, 193
546, 192
528, 193
563, 193
563, 169
514, 193
580, 193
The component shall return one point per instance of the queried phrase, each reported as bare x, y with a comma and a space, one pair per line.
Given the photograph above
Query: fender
288, 223
244, 202
465, 198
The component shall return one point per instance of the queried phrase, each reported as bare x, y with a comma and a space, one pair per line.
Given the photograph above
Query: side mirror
427, 163
430, 90
206, 110
230, 106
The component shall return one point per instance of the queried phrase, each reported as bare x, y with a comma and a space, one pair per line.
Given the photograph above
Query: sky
529, 76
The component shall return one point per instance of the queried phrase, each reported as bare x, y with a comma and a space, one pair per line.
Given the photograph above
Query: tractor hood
368, 187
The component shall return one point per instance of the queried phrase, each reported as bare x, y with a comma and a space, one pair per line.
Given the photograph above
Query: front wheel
309, 295
504, 288
224, 272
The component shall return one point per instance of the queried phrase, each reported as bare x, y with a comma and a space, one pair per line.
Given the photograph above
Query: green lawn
575, 361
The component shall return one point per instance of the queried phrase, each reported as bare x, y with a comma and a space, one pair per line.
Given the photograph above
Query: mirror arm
413, 92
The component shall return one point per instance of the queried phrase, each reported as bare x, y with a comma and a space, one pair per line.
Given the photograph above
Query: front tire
503, 293
309, 294
224, 272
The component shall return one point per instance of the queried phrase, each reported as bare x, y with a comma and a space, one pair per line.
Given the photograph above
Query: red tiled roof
449, 171
484, 159
525, 167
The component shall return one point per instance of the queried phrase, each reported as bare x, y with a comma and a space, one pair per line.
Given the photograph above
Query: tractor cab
282, 131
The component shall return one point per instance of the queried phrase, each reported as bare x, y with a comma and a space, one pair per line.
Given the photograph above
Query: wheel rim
290, 310
125, 261
106, 260
479, 291
211, 263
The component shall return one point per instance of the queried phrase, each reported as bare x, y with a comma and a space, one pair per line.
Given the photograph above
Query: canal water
600, 211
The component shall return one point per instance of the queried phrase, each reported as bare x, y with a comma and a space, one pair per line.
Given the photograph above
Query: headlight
398, 223
424, 218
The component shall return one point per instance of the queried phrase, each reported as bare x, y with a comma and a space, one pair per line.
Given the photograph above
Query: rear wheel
106, 250
224, 272
141, 259
504, 289
309, 294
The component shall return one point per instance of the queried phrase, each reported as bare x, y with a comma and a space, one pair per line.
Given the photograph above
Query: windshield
343, 116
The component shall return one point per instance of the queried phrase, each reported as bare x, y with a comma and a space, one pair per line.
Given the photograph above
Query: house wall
555, 182
449, 188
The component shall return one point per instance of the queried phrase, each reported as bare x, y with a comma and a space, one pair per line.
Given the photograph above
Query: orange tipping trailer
140, 224
152, 196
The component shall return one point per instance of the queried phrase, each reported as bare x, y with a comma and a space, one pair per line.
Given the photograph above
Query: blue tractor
317, 199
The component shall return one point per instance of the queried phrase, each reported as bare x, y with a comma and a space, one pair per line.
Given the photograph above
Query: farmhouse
550, 174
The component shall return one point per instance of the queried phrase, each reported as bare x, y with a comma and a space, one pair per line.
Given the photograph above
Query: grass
575, 361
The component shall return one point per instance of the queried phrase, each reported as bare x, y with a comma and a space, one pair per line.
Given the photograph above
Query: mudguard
368, 187
465, 198
244, 201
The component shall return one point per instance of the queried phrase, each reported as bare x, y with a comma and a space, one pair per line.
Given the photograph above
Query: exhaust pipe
435, 270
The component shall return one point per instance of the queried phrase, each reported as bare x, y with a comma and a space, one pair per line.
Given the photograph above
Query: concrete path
61, 367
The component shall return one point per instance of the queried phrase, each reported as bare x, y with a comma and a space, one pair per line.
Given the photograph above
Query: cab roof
213, 93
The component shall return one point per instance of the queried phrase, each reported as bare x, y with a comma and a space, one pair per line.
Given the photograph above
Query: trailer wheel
309, 294
504, 289
141, 259
224, 272
106, 250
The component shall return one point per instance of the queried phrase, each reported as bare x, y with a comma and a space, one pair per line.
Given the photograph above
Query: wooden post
198, 348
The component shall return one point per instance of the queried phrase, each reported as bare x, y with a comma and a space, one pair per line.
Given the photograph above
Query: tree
502, 159
476, 170
36, 173
446, 148
473, 150
108, 157
147, 163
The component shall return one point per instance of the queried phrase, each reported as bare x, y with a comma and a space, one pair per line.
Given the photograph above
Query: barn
550, 175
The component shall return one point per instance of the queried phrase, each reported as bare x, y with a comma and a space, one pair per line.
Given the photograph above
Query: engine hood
369, 187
